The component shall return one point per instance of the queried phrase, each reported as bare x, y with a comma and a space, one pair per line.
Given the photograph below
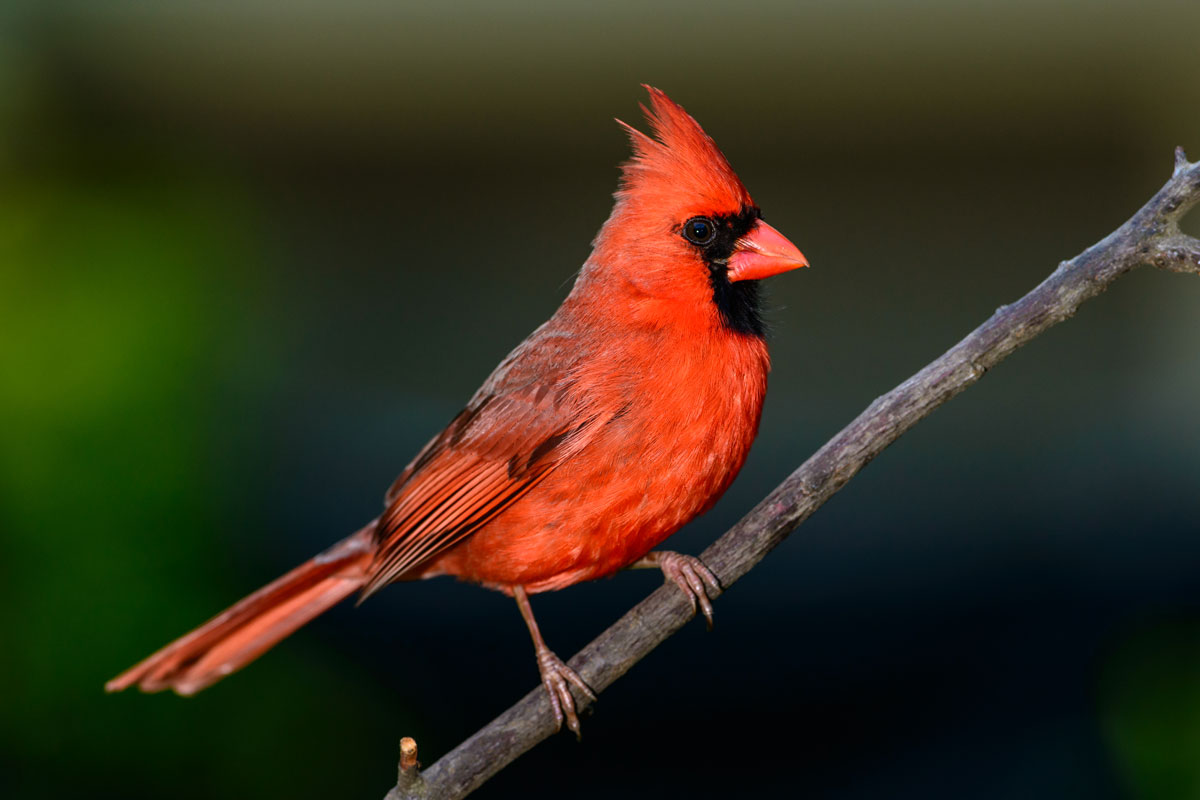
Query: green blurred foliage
1150, 704
115, 312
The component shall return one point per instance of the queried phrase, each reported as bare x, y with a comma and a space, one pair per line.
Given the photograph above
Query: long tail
243, 632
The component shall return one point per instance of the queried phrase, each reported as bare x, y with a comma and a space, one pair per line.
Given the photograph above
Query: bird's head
684, 226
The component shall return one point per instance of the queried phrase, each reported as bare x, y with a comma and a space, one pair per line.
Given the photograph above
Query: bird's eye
699, 230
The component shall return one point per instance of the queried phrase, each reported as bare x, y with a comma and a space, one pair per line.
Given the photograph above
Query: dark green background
252, 255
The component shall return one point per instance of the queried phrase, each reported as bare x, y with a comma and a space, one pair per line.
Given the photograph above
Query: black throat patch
738, 303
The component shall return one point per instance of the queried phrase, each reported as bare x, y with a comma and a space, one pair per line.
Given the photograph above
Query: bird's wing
513, 433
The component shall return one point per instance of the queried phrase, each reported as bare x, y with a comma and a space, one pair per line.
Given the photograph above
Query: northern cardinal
616, 422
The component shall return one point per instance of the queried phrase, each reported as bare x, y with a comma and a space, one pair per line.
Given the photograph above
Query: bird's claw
558, 678
691, 576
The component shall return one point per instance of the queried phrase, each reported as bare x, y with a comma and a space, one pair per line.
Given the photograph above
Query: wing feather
499, 448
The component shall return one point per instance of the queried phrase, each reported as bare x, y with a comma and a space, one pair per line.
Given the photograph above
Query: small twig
1151, 236
408, 756
409, 782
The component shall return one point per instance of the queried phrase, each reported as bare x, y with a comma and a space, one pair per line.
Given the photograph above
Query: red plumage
616, 422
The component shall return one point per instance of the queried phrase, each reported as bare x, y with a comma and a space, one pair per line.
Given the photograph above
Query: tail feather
246, 630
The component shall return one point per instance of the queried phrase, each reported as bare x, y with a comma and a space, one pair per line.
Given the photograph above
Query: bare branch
1151, 236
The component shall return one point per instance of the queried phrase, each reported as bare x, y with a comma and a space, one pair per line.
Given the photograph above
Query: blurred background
253, 254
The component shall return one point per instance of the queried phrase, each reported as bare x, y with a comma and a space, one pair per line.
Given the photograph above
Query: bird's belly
593, 516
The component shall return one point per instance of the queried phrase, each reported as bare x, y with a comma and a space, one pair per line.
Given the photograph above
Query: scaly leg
557, 677
688, 573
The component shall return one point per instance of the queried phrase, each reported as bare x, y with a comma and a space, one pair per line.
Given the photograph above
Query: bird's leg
557, 677
688, 573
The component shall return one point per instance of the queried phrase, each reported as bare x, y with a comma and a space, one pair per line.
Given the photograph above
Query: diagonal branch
1151, 236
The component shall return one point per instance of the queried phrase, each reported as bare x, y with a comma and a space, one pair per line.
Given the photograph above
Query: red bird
616, 422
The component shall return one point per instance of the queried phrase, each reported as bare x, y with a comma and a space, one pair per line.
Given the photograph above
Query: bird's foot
689, 574
558, 678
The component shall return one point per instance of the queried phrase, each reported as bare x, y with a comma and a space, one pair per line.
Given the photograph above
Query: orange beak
763, 252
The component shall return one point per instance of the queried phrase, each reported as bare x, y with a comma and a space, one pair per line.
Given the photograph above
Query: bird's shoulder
522, 423
529, 410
